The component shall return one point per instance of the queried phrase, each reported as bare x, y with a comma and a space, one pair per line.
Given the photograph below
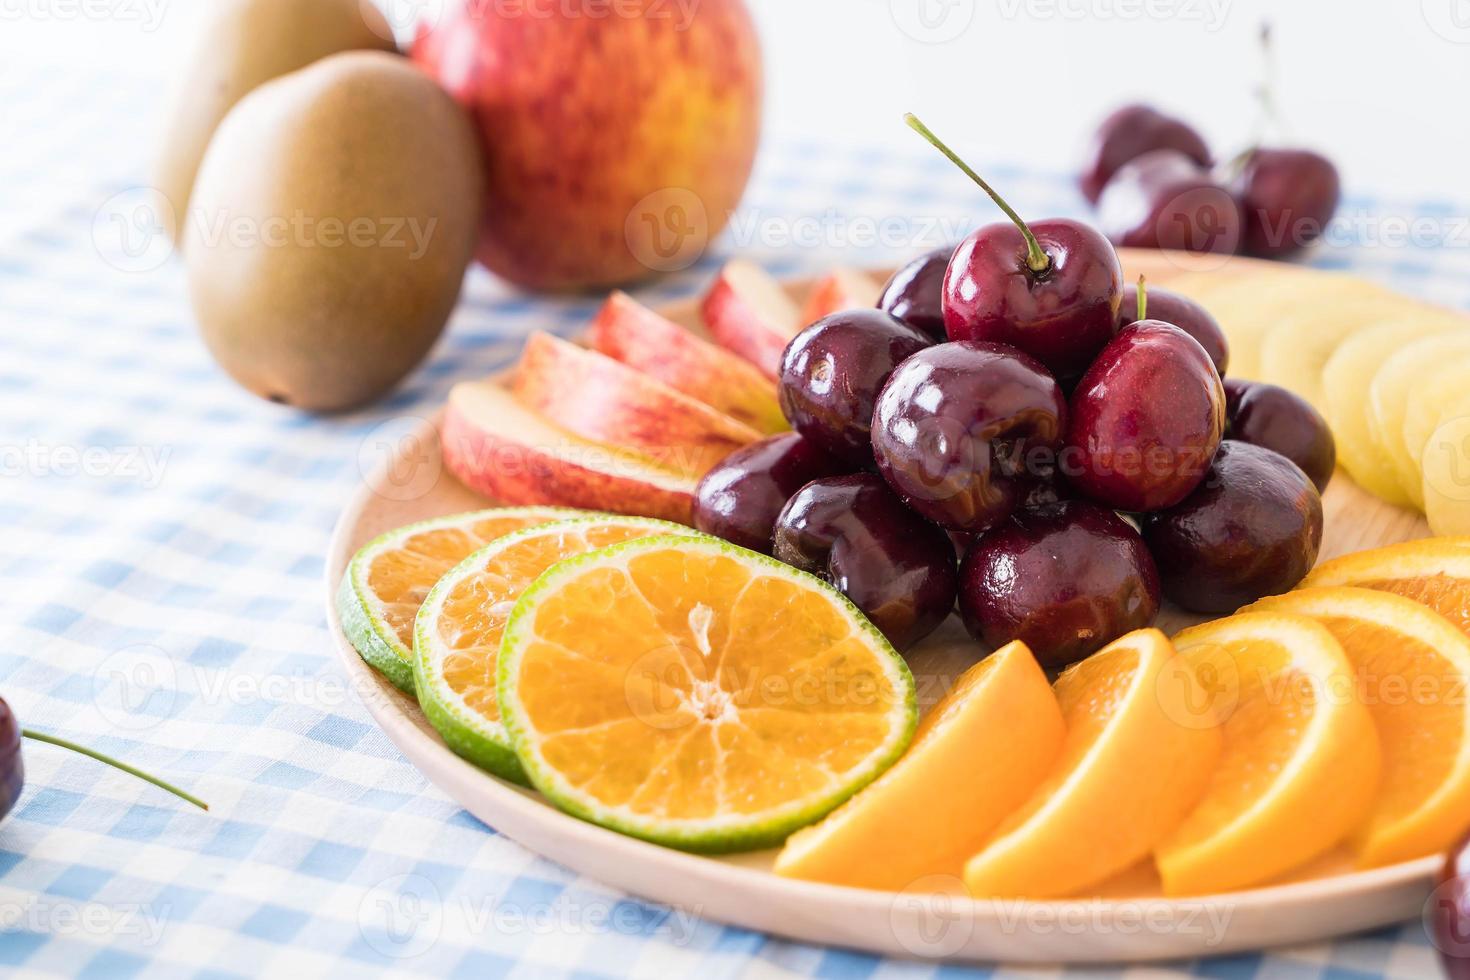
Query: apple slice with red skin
749, 314
593, 396
498, 447
629, 332
841, 289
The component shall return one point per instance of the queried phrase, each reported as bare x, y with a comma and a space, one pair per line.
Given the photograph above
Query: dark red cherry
1048, 288
831, 373
740, 498
965, 431
896, 567
1185, 314
1128, 133
1287, 197
1277, 419
1164, 199
1252, 529
1065, 578
915, 294
1145, 420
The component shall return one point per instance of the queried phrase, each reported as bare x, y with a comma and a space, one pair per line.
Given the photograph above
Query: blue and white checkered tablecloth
161, 544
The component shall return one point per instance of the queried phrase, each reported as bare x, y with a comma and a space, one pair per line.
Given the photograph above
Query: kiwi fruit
248, 43
332, 221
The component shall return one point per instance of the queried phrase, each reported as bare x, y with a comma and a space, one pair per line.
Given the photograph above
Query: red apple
500, 448
748, 313
841, 289
631, 333
593, 396
616, 142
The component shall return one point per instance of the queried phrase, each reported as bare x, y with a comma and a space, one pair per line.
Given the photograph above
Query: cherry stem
1142, 298
1036, 258
93, 754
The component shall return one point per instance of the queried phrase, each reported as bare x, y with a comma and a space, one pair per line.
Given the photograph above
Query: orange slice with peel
976, 757
1138, 755
1434, 571
1413, 670
1301, 762
698, 695
387, 580
458, 631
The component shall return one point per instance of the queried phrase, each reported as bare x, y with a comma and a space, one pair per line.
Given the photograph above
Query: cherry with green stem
1048, 288
12, 769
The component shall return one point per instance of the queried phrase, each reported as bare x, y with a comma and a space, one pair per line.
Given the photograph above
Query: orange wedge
1412, 670
1136, 759
1301, 760
1435, 572
976, 757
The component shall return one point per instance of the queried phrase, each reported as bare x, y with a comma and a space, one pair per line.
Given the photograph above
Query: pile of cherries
1156, 186
1012, 400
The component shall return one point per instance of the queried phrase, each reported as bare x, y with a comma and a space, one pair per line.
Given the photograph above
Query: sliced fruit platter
936, 618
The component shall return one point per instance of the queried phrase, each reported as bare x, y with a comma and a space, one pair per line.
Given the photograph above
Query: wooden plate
1128, 921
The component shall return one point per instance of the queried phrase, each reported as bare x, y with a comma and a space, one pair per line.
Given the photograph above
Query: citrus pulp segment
458, 631
387, 579
1301, 761
976, 757
692, 693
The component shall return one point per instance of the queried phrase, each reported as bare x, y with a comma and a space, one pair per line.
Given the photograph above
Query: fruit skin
1252, 529
708, 839
964, 431
372, 638
1145, 420
1066, 579
583, 117
1450, 913
595, 397
831, 374
894, 566
1129, 132
12, 767
631, 333
498, 447
1061, 317
740, 499
1163, 199
915, 293
248, 43
1184, 313
1287, 197
749, 314
1273, 418
317, 315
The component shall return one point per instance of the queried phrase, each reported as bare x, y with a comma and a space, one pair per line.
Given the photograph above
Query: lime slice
695, 694
457, 633
388, 579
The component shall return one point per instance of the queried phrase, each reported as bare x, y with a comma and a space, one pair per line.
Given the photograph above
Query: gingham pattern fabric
161, 553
